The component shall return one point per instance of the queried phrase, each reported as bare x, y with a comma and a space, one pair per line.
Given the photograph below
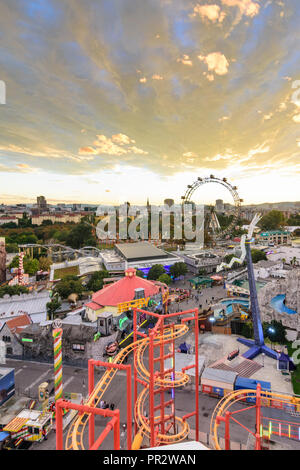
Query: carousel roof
123, 290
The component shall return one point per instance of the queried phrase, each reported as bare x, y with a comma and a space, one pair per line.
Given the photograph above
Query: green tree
25, 221
178, 269
165, 278
81, 235
47, 222
13, 290
44, 263
96, 281
31, 266
275, 331
139, 273
12, 248
69, 285
52, 307
294, 220
247, 330
274, 220
155, 271
258, 255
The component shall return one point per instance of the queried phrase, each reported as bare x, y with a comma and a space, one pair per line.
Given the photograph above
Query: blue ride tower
258, 345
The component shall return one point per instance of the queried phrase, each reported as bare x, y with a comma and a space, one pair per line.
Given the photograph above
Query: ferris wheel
191, 188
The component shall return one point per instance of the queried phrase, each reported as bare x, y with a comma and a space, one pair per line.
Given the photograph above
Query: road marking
39, 379
67, 382
18, 371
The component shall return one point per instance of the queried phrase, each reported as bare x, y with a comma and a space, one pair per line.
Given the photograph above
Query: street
28, 375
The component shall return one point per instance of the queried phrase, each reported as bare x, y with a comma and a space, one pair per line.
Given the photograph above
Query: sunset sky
119, 100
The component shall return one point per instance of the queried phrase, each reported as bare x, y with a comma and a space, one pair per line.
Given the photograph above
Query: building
41, 203
123, 295
9, 219
266, 268
33, 305
201, 261
57, 218
9, 333
139, 255
275, 237
77, 340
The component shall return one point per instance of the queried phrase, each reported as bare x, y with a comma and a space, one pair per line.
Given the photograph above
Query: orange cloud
157, 77
117, 145
122, 139
247, 7
185, 60
216, 62
211, 12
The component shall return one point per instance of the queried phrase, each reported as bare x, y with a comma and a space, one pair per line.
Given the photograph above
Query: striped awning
15, 424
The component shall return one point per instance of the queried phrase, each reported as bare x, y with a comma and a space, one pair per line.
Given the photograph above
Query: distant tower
41, 203
2, 260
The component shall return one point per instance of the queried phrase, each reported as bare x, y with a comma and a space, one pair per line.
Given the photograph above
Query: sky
123, 100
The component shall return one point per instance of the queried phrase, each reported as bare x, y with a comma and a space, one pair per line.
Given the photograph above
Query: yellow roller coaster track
226, 402
74, 440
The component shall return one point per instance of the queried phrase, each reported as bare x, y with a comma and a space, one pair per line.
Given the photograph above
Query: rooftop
16, 324
31, 304
122, 290
140, 251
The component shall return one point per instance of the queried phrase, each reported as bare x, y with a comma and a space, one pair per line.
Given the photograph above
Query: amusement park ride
258, 345
160, 426
152, 403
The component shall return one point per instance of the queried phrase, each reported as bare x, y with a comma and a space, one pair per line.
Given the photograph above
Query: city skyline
128, 100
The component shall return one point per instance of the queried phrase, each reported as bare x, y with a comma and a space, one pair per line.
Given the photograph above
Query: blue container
244, 382
218, 391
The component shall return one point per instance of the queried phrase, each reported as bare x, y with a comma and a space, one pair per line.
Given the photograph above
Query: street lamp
271, 330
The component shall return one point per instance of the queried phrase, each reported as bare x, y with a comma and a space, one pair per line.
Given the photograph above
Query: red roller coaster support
161, 421
229, 415
113, 424
110, 365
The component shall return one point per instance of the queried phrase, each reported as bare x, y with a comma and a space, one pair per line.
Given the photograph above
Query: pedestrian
112, 406
102, 404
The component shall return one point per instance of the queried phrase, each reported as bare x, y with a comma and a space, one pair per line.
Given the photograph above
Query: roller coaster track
75, 436
237, 396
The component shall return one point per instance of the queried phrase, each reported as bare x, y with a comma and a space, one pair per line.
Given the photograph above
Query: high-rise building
41, 203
